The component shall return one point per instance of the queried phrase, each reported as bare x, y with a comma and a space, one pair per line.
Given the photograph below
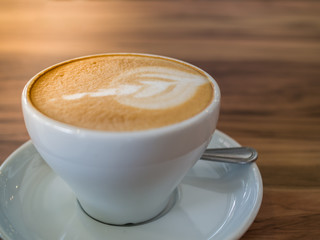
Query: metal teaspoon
238, 155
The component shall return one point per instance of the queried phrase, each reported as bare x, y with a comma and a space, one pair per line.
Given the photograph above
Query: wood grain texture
265, 56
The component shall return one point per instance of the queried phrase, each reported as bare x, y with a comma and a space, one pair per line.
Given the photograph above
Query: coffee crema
121, 92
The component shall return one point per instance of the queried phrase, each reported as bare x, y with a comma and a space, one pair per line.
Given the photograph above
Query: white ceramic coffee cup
121, 177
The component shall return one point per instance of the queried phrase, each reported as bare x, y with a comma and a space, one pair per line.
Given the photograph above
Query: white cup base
175, 196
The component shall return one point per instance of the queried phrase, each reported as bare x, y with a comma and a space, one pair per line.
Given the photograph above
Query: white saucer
214, 201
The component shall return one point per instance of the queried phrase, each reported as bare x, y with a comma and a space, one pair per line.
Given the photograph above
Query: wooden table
264, 54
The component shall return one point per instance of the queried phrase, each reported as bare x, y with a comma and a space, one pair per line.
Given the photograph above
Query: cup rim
68, 128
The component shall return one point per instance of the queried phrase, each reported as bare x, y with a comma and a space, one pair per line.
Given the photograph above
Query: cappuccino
121, 92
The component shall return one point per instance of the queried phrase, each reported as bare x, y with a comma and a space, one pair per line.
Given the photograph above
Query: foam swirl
149, 87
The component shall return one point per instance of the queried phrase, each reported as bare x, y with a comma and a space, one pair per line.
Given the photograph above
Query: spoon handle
239, 155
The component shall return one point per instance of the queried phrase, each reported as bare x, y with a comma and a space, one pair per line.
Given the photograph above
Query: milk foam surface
151, 90
122, 92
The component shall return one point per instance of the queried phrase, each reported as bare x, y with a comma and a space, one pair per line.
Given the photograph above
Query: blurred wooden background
265, 55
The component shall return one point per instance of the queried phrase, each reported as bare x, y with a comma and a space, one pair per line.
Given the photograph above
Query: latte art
124, 92
155, 88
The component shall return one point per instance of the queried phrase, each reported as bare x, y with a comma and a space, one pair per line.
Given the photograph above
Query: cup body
121, 177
